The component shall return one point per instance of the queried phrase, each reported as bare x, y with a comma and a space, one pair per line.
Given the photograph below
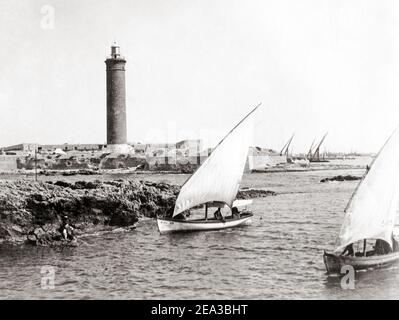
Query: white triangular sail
219, 177
371, 211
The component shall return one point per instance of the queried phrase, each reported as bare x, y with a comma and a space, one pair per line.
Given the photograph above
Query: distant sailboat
370, 215
285, 150
315, 157
309, 155
215, 184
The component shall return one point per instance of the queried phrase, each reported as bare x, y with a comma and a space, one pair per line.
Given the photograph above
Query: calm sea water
278, 257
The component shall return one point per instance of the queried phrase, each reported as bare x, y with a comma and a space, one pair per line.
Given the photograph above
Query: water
278, 257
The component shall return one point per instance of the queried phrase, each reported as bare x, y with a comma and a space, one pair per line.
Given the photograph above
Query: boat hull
171, 225
334, 263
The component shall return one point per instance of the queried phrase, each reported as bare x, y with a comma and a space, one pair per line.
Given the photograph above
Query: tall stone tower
116, 102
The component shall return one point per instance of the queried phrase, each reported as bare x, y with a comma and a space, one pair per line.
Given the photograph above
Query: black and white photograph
223, 150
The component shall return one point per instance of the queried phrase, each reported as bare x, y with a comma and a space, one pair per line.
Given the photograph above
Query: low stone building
21, 147
123, 161
8, 163
261, 158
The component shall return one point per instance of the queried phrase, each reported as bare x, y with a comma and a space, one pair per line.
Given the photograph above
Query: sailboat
315, 157
369, 221
215, 185
285, 150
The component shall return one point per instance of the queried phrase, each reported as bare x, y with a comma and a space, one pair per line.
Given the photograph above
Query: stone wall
8, 163
125, 161
261, 162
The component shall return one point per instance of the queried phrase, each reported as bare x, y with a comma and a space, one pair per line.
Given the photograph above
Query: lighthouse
116, 102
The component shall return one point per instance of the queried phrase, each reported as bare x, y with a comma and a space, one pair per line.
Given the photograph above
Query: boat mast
284, 150
317, 152
364, 247
235, 127
35, 164
310, 150
289, 143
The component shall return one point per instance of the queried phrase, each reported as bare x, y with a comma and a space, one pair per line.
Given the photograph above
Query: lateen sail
372, 209
219, 177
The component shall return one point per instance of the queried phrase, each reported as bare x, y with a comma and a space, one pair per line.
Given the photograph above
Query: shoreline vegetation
31, 212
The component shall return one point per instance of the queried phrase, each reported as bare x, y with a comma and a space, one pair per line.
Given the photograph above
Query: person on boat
381, 247
395, 244
183, 215
180, 216
348, 250
218, 215
66, 229
235, 213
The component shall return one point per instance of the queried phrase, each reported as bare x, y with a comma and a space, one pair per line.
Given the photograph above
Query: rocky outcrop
249, 193
83, 172
341, 178
32, 211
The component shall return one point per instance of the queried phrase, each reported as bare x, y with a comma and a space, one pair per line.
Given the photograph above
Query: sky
196, 67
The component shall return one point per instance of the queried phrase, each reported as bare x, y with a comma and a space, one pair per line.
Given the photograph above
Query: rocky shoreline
341, 178
30, 212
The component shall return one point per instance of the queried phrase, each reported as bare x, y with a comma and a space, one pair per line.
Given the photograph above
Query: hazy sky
195, 67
